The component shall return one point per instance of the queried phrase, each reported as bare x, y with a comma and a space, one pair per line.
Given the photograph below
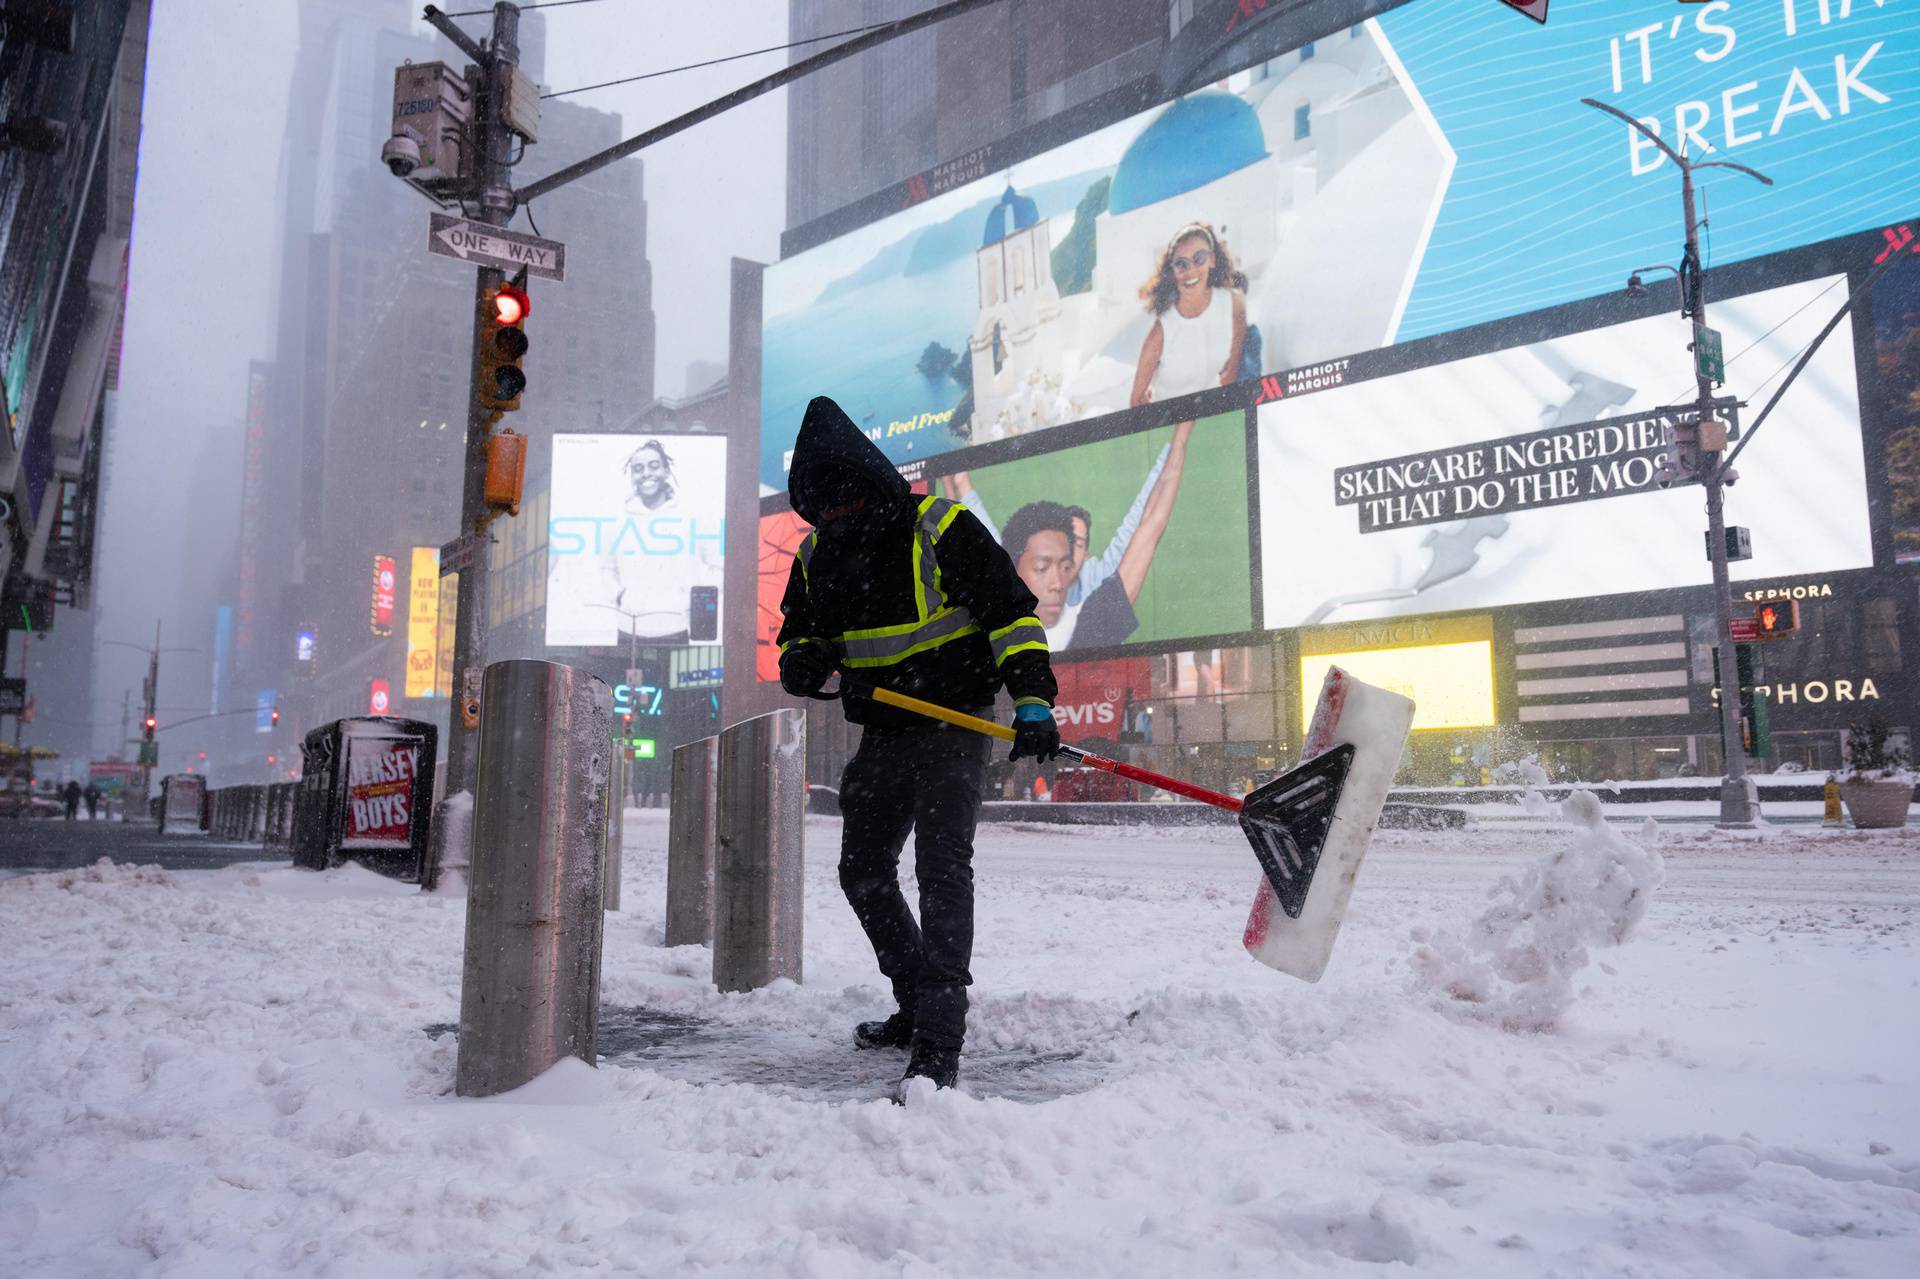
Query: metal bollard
530, 988
758, 842
691, 805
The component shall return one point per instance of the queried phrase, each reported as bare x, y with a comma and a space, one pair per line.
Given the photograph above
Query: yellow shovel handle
928, 709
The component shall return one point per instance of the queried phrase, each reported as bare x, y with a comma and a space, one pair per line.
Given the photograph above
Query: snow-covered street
230, 1072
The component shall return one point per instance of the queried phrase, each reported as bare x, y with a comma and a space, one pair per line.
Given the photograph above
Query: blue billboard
1411, 175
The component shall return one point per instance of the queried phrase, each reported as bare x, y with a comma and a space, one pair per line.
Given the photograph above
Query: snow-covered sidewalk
228, 1072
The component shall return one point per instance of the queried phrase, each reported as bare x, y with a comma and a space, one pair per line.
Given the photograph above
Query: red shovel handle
1148, 777
1114, 766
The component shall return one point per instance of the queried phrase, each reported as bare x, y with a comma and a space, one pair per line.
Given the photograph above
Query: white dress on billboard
1192, 352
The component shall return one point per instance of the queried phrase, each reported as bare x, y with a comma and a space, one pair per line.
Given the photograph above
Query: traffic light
148, 725
273, 717
503, 341
1777, 618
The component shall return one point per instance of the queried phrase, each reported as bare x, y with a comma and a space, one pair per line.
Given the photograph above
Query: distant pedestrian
71, 793
92, 796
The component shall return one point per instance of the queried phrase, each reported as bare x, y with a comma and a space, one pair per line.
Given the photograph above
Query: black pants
929, 781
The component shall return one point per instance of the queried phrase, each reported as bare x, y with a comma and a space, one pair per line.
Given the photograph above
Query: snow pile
1516, 964
249, 1072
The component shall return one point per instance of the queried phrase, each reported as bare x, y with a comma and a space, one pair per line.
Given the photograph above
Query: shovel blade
1288, 820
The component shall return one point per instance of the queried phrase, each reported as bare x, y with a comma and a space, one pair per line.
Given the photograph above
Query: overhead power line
714, 62
546, 4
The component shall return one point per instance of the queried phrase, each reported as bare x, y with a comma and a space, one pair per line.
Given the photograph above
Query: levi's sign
453, 237
1497, 477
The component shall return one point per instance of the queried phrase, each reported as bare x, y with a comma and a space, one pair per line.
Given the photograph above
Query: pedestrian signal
1777, 618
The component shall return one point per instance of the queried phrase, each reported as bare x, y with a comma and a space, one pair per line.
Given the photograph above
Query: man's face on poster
1080, 537
1046, 566
647, 471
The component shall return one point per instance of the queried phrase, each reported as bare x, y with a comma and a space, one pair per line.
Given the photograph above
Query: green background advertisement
1199, 581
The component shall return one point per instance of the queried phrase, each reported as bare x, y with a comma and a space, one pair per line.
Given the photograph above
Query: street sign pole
496, 208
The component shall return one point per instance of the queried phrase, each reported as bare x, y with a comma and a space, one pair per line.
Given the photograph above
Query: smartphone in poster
1268, 221
635, 539
1353, 479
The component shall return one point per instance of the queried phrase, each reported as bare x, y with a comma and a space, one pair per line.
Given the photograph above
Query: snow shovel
1311, 819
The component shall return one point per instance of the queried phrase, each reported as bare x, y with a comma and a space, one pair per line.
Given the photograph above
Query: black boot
929, 1061
895, 1032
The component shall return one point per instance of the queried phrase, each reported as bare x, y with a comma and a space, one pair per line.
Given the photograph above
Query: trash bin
183, 802
366, 793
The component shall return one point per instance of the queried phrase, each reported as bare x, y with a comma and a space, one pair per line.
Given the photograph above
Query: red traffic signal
274, 716
510, 305
1777, 618
150, 723
502, 344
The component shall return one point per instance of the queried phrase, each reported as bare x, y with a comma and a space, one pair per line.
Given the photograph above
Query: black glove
1034, 733
806, 667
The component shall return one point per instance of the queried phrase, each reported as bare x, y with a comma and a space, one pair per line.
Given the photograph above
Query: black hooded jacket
951, 632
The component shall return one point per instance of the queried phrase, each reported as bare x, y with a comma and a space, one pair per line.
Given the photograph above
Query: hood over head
834, 463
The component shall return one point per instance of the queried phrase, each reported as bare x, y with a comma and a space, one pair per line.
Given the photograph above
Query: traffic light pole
496, 209
1736, 801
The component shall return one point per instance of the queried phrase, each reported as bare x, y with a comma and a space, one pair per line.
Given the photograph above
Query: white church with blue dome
1014, 350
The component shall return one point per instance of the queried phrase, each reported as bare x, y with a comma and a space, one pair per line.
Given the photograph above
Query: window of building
1303, 122
1306, 51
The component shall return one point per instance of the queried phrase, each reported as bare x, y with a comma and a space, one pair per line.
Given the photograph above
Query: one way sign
453, 237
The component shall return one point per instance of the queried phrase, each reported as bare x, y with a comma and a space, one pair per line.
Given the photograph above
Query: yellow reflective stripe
919, 582
1028, 620
953, 513
804, 554
1021, 635
889, 632
803, 639
886, 644
1032, 701
921, 647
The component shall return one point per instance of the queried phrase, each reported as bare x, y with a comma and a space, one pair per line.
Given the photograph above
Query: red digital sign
381, 618
1094, 696
379, 697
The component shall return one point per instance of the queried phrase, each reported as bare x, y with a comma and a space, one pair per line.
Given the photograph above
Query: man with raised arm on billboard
914, 595
1040, 537
1088, 574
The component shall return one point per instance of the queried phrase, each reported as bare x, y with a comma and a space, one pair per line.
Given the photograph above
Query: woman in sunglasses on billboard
1198, 298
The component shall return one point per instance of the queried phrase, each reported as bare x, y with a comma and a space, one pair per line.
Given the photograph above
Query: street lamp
1736, 801
148, 718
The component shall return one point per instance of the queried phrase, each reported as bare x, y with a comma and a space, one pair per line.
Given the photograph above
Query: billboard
1095, 697
635, 536
1813, 93
380, 614
423, 621
443, 640
1445, 665
1497, 479
1158, 545
222, 655
1127, 540
1896, 340
1368, 186
1177, 250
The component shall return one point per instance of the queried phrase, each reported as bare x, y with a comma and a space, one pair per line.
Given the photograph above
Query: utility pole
1736, 799
496, 200
496, 204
